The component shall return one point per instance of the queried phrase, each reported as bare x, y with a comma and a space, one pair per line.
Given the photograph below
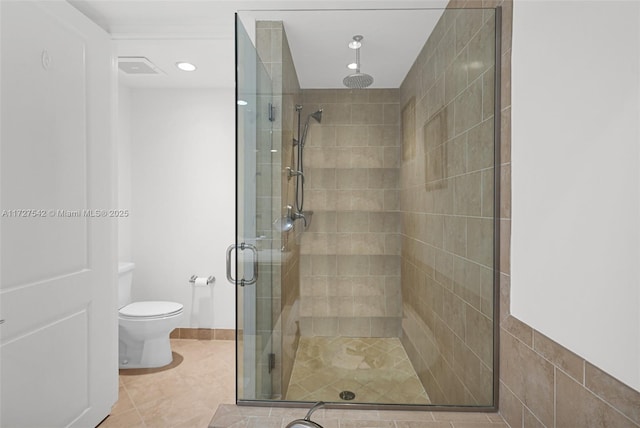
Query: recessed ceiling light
352, 66
242, 103
186, 66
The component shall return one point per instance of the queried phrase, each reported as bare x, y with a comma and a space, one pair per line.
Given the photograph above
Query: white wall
576, 183
123, 137
183, 198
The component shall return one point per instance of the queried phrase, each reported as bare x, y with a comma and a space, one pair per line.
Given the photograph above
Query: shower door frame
248, 281
496, 266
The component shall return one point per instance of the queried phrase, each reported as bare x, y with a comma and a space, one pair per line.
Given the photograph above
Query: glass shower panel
254, 284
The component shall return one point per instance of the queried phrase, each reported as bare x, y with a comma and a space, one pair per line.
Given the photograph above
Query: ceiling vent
137, 65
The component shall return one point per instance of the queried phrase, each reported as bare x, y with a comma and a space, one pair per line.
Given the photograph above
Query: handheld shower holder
293, 173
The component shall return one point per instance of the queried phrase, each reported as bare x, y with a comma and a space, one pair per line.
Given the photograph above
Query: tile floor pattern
184, 395
377, 370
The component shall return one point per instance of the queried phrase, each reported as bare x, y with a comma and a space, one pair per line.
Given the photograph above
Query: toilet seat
150, 310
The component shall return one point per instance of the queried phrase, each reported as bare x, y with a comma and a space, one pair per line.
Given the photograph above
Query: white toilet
144, 327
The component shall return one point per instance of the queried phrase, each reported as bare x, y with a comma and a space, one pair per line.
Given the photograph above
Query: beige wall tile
577, 406
480, 241
619, 395
505, 135
456, 76
455, 235
353, 265
383, 135
488, 93
518, 329
505, 191
319, 96
367, 157
468, 107
467, 23
352, 135
354, 327
368, 114
530, 421
347, 96
559, 356
505, 74
391, 114
466, 281
488, 180
529, 376
467, 194
511, 408
479, 335
480, 146
337, 114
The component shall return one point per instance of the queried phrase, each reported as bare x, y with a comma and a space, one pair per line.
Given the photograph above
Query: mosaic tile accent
377, 370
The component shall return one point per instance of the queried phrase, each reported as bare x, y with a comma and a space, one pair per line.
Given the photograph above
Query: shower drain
347, 395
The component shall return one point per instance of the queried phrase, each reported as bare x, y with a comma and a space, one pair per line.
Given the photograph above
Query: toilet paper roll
200, 281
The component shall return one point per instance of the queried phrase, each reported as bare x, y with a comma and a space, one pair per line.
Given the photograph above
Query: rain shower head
357, 80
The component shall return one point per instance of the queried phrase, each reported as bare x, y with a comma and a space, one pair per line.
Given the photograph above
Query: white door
58, 341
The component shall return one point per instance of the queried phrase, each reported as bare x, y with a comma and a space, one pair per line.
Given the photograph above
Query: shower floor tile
377, 370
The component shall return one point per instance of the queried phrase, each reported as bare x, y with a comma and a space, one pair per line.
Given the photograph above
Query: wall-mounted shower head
317, 116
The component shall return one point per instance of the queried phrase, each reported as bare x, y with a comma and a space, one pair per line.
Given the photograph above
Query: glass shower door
253, 213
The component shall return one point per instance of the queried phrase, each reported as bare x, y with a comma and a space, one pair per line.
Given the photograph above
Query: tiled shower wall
350, 262
446, 198
282, 298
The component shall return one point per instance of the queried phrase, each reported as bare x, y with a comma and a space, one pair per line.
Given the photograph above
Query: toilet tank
125, 277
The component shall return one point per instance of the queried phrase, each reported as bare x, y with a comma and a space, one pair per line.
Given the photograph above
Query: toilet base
150, 353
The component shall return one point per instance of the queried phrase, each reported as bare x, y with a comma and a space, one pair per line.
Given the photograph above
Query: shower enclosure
367, 229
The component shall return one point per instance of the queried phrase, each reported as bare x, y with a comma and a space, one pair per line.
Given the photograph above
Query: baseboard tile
203, 333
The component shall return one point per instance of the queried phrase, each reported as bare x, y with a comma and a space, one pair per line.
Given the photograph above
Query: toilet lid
150, 309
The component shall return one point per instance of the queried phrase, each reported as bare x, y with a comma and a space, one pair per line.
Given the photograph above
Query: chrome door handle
230, 278
253, 280
242, 247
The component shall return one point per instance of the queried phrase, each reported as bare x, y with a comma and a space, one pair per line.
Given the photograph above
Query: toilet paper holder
210, 280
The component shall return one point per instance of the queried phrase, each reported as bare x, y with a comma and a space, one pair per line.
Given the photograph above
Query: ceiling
202, 32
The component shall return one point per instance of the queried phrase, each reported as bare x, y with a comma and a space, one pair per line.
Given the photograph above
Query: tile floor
377, 370
197, 391
184, 395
